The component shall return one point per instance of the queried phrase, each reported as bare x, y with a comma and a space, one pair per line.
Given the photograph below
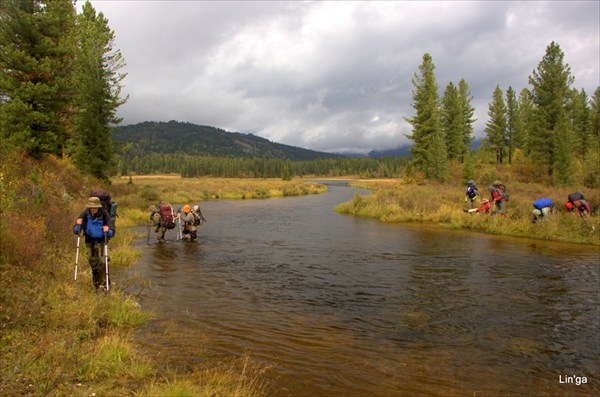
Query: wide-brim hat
94, 202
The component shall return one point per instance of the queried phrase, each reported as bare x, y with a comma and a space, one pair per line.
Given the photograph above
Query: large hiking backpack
472, 191
166, 214
107, 203
576, 196
542, 203
503, 191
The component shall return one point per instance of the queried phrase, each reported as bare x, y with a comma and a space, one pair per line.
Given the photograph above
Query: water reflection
347, 306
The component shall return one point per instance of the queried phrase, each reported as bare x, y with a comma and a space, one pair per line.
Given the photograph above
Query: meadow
401, 201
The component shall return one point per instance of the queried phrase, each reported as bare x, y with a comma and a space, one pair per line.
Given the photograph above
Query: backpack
576, 196
105, 199
472, 191
503, 192
542, 203
166, 214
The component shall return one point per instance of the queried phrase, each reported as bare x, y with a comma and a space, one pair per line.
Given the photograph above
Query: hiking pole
77, 255
179, 236
106, 259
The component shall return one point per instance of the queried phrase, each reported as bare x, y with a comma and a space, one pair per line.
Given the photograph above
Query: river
335, 305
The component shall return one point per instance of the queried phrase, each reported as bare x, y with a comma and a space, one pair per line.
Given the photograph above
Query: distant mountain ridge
200, 140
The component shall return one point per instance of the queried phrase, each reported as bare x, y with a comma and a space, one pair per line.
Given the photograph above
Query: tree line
550, 125
260, 167
60, 82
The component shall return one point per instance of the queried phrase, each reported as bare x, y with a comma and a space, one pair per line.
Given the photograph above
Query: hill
199, 140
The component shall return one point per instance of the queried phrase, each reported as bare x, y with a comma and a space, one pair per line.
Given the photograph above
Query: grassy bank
442, 204
59, 337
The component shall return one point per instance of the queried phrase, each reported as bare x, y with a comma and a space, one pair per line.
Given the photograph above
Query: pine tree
97, 82
563, 152
580, 119
451, 118
550, 83
427, 133
496, 125
592, 144
35, 68
525, 120
467, 120
511, 122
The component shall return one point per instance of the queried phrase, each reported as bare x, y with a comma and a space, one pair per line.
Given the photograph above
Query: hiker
471, 194
578, 204
542, 208
484, 207
163, 218
107, 203
95, 223
500, 196
191, 218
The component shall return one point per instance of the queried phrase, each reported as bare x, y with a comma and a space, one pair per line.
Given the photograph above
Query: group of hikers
187, 219
96, 224
542, 208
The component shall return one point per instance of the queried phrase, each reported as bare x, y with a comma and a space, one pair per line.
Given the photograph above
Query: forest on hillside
199, 140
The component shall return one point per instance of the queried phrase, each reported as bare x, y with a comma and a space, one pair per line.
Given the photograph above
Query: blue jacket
92, 226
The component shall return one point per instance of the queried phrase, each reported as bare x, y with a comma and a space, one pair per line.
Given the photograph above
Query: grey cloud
334, 76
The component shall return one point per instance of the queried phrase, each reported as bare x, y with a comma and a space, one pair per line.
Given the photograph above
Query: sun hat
94, 202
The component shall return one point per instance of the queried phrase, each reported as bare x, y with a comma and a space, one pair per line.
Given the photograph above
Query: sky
334, 76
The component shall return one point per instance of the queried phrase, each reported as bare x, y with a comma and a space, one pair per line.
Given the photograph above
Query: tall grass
442, 204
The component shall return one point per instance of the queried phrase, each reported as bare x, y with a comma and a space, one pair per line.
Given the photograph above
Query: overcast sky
334, 76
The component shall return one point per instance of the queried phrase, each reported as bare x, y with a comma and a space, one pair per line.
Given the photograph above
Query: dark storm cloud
334, 75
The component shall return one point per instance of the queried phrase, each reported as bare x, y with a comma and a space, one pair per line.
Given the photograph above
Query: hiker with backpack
499, 197
97, 226
542, 208
191, 219
471, 194
578, 204
163, 218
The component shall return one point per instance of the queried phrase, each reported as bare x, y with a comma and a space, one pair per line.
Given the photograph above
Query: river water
336, 305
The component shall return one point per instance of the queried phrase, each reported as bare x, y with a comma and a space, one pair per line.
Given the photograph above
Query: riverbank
397, 201
57, 335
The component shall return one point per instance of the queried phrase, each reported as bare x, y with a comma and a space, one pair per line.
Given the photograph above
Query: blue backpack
542, 203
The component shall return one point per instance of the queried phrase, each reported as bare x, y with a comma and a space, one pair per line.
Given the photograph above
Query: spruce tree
496, 126
97, 83
427, 133
550, 83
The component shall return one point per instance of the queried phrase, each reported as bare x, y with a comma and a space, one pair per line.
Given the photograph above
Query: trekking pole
77, 254
106, 259
179, 236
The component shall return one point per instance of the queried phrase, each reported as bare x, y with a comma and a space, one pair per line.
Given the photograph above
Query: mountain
200, 140
397, 152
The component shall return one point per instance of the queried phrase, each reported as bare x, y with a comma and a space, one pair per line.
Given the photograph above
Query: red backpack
166, 214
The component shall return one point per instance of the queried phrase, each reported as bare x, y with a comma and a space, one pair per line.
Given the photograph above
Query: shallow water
344, 306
